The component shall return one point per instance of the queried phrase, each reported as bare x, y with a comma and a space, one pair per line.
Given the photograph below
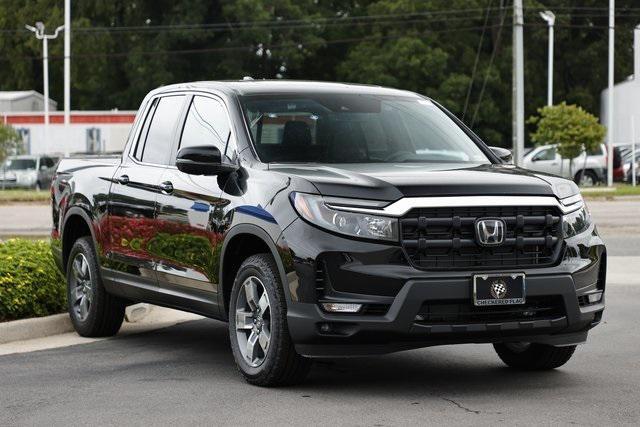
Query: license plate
498, 289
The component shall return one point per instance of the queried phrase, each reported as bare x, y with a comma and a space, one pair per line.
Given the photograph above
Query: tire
273, 361
38, 186
589, 179
533, 357
94, 312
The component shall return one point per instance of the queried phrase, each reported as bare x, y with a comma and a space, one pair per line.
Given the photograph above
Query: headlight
576, 222
313, 208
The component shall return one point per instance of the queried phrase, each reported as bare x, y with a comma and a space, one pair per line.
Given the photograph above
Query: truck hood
392, 181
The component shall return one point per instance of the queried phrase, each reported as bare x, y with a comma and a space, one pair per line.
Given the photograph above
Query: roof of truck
274, 87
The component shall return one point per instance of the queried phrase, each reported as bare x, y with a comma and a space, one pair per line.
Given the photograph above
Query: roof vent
247, 78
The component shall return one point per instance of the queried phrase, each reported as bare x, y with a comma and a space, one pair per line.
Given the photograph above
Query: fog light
594, 297
325, 328
335, 307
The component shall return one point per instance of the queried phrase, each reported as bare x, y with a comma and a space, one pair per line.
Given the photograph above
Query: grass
17, 196
619, 190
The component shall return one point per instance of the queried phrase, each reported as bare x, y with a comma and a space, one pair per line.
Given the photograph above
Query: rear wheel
258, 329
94, 312
533, 357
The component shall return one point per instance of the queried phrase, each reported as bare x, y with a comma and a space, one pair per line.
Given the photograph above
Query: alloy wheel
82, 292
587, 181
253, 321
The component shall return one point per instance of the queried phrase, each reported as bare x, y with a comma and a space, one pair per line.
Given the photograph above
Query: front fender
264, 236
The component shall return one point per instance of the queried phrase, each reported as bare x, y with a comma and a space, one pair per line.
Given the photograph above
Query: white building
24, 100
626, 101
88, 132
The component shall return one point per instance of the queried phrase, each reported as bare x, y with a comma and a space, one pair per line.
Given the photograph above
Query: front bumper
349, 335
372, 275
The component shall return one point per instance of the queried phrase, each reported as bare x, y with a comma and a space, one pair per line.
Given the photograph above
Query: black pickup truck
324, 220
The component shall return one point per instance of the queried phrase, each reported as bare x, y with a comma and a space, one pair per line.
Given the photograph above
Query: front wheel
586, 179
533, 357
258, 331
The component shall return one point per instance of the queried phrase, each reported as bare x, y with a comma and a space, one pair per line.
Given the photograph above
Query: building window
94, 143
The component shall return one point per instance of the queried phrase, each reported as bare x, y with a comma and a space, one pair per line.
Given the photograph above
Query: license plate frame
514, 294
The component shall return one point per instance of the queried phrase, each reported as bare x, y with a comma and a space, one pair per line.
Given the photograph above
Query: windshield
19, 164
355, 128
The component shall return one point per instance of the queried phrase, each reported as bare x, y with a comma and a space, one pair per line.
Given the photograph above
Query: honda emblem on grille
490, 231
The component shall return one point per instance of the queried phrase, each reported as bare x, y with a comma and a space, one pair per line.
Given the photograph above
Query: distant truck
322, 220
546, 158
28, 171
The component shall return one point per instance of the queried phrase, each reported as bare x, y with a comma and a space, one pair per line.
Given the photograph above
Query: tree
571, 128
457, 51
10, 142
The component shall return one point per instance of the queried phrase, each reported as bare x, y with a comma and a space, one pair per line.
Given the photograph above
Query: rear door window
159, 136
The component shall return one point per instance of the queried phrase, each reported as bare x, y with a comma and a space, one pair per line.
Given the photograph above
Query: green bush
30, 283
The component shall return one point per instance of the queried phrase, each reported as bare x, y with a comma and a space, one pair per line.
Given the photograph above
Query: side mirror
503, 154
202, 160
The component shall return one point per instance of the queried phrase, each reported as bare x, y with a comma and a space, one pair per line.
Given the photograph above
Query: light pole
67, 72
38, 30
549, 16
517, 106
610, 70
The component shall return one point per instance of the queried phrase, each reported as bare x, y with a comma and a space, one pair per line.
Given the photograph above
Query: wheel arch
77, 223
242, 241
576, 176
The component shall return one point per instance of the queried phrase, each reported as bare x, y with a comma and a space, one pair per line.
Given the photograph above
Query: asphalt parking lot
185, 374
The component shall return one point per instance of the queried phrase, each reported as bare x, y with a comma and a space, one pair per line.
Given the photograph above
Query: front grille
444, 238
453, 312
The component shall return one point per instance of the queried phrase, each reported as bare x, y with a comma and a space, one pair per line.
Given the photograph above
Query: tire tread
538, 357
288, 366
109, 313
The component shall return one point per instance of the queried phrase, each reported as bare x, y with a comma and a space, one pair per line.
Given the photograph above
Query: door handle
166, 187
123, 179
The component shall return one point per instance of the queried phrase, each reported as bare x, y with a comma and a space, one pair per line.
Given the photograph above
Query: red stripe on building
75, 118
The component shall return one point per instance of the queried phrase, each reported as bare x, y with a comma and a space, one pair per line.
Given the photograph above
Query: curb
40, 327
26, 329
610, 197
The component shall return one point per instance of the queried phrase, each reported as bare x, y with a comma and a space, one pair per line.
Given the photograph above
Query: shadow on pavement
461, 370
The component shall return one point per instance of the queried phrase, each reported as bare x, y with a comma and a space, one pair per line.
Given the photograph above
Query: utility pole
612, 7
518, 84
67, 73
38, 30
550, 17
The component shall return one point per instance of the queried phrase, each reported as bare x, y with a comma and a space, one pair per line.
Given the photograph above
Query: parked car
626, 165
323, 219
546, 158
28, 172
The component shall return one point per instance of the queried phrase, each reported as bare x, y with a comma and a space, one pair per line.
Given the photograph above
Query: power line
273, 25
475, 62
486, 76
240, 48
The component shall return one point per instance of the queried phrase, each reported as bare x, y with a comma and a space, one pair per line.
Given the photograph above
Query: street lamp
38, 30
548, 16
